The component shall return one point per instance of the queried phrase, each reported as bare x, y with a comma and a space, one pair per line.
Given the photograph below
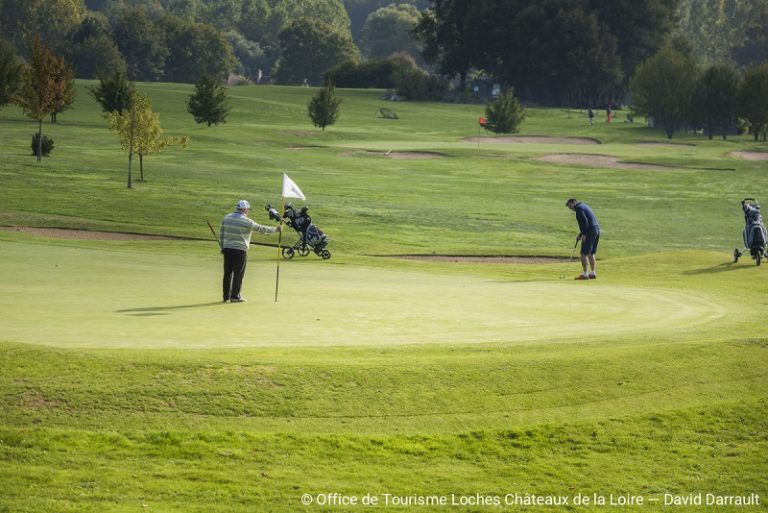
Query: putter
562, 276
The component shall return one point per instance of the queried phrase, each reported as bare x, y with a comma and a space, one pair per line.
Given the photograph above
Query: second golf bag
311, 238
754, 235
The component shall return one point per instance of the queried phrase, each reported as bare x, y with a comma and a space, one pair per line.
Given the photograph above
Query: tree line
677, 92
181, 40
582, 52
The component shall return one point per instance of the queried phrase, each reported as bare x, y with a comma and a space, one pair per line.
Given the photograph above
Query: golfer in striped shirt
235, 238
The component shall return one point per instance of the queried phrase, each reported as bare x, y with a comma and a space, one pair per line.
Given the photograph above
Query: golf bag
311, 238
754, 235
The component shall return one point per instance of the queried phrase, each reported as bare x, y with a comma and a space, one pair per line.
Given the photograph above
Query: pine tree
113, 93
323, 108
504, 114
209, 103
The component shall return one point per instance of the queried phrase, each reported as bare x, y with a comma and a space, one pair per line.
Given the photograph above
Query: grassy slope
662, 393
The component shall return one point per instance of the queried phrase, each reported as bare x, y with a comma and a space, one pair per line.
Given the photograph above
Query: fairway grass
127, 385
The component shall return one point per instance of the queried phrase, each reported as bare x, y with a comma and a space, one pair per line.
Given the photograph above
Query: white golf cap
243, 204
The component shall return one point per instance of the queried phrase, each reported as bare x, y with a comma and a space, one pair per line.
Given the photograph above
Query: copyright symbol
306, 499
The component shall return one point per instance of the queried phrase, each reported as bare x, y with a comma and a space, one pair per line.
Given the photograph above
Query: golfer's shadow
720, 268
162, 310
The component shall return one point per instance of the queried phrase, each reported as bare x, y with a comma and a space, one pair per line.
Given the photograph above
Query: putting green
118, 296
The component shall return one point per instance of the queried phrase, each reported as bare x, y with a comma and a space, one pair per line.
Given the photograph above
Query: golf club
562, 276
215, 237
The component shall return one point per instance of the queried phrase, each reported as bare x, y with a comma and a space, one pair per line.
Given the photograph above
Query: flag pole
279, 247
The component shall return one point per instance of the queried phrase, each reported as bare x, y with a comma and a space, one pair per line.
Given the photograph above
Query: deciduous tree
10, 73
194, 50
37, 94
663, 86
389, 30
142, 43
310, 48
753, 100
715, 98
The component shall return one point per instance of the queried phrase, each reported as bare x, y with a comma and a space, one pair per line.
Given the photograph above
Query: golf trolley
754, 235
311, 238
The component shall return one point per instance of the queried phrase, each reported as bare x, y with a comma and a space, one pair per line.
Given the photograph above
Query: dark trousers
234, 270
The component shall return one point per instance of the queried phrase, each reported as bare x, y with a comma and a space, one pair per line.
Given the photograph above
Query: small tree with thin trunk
126, 126
139, 130
38, 92
323, 108
149, 138
210, 102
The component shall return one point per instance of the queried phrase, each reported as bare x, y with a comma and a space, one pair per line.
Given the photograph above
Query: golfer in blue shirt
589, 235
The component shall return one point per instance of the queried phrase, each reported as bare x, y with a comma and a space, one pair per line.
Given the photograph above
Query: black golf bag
754, 235
311, 238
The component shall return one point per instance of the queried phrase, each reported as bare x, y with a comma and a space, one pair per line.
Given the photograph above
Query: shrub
504, 114
421, 86
47, 145
380, 73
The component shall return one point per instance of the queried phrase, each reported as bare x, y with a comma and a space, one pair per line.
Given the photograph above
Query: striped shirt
236, 229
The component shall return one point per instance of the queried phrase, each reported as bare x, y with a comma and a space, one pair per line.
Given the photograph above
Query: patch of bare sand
479, 259
664, 144
532, 139
750, 155
397, 155
596, 161
64, 233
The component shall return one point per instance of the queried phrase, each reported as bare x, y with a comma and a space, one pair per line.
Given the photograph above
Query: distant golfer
589, 235
235, 238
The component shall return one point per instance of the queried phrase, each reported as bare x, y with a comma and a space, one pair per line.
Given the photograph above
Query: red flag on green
482, 120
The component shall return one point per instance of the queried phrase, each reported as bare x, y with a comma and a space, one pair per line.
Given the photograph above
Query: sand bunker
664, 144
596, 161
480, 259
750, 155
397, 155
532, 139
63, 233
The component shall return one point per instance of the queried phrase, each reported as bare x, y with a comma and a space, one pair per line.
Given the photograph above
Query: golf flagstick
290, 190
279, 248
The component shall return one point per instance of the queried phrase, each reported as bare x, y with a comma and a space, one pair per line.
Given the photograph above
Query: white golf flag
290, 189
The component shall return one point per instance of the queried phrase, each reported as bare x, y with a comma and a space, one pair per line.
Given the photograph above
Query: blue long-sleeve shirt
585, 217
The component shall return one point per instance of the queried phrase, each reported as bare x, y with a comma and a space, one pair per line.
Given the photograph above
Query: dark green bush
419, 85
47, 145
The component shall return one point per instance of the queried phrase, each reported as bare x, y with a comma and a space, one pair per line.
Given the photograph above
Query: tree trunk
130, 161
141, 167
40, 139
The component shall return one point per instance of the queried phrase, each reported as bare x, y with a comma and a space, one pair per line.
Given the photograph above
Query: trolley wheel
736, 255
287, 253
327, 254
303, 251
